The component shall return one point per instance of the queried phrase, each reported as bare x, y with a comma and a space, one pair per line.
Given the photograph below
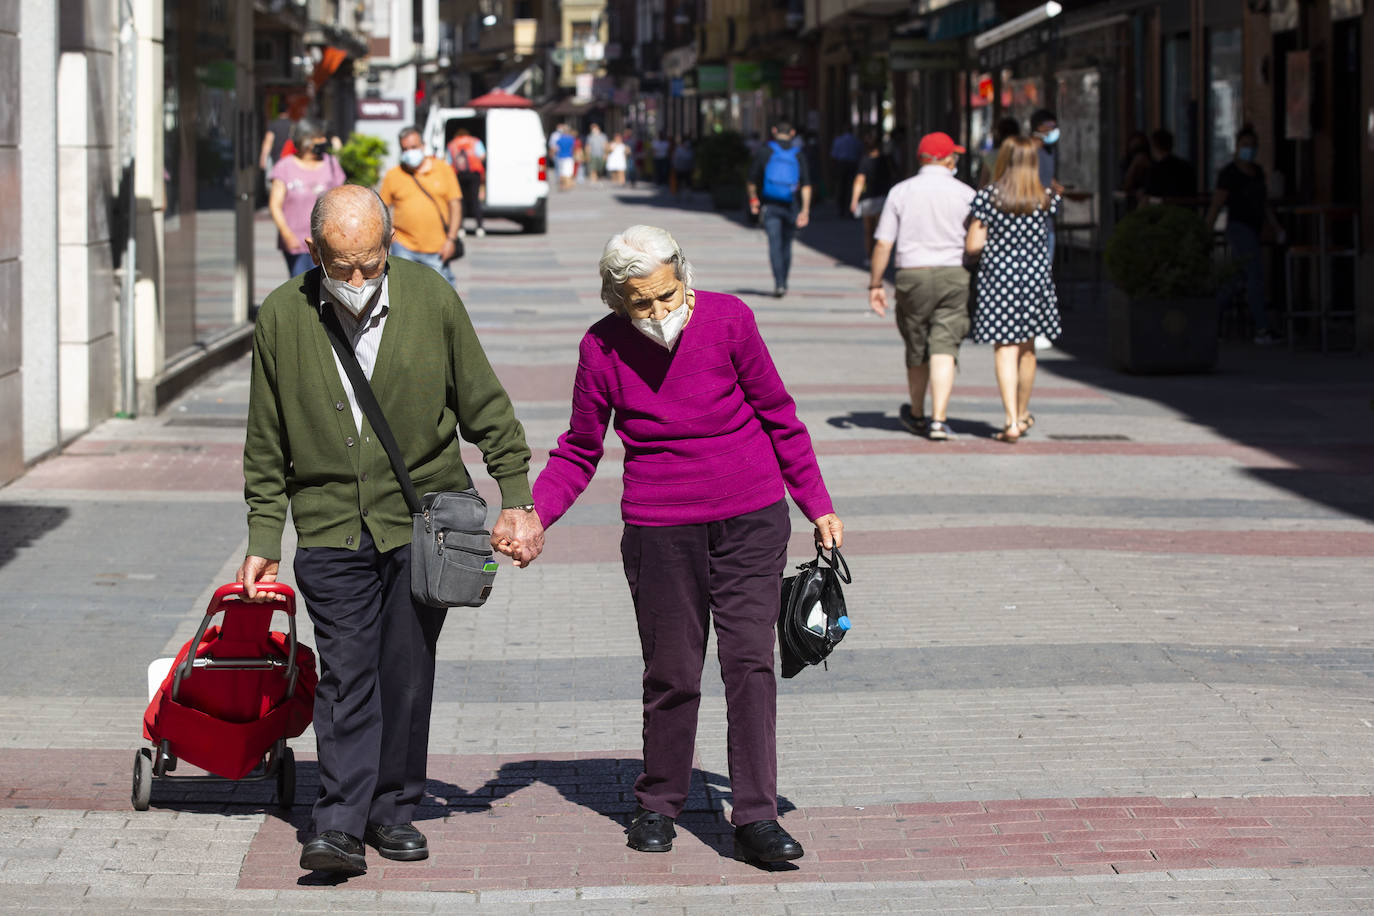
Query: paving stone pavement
1126, 665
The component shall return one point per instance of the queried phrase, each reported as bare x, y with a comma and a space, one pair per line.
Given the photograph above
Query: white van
517, 164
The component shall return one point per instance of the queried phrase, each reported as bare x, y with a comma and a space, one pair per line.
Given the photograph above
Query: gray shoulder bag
451, 560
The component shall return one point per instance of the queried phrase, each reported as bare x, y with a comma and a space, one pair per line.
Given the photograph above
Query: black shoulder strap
366, 399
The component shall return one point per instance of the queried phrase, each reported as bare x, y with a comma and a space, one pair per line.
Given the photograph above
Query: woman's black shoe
335, 852
766, 842
650, 831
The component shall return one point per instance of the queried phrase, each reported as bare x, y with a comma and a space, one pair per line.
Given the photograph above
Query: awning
498, 98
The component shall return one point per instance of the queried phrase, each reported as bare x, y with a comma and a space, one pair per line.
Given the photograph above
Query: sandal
1005, 434
1027, 423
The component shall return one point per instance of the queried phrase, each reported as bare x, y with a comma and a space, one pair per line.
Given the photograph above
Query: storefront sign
711, 79
381, 110
1297, 114
748, 75
961, 20
795, 77
919, 54
1022, 44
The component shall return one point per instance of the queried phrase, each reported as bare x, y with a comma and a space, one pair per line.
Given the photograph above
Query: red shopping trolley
232, 697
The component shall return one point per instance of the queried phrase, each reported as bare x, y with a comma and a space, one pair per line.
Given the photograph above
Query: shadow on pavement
887, 422
23, 524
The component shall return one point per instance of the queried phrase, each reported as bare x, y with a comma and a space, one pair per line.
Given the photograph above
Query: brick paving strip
508, 822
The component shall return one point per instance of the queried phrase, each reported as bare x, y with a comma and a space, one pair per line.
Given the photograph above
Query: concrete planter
1162, 336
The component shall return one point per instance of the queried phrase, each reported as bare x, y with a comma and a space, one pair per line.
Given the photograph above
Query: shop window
1225, 78
1177, 80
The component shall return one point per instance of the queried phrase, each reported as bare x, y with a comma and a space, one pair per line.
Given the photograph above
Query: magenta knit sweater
709, 430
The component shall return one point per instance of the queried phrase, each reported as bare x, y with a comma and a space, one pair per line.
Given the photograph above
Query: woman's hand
829, 531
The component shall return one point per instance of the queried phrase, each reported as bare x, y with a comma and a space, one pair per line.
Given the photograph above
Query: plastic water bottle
815, 621
843, 623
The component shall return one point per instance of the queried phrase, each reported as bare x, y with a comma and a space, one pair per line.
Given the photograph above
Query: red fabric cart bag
224, 720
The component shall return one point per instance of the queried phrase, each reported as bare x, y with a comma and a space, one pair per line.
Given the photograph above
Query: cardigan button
349, 442
364, 512
338, 405
364, 477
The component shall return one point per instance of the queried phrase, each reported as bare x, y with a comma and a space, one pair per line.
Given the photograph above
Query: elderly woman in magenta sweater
711, 438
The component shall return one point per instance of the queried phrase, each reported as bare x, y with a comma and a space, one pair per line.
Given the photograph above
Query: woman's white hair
638, 252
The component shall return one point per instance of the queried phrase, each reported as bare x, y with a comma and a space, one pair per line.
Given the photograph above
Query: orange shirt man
426, 205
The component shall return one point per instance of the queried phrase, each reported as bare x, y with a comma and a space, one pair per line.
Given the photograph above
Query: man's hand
829, 531
877, 300
253, 571
803, 218
446, 253
519, 535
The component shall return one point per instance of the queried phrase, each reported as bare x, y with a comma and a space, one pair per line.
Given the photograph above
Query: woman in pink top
711, 441
297, 180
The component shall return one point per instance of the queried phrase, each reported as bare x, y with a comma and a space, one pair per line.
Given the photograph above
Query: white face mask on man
353, 298
666, 330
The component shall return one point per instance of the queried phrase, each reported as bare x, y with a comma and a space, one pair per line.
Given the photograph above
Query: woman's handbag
451, 560
813, 619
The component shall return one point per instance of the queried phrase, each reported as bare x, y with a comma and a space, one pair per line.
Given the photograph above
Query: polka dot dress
1015, 292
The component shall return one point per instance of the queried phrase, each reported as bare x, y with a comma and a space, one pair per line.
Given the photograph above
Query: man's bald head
350, 216
350, 233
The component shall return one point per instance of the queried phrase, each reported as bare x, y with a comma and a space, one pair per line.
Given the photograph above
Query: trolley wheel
286, 778
143, 779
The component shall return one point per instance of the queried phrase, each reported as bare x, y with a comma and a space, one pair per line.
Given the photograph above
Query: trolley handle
223, 600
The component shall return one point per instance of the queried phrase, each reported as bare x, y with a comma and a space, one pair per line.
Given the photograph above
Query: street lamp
1030, 20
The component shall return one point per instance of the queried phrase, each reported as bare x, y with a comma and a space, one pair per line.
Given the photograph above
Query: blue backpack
782, 174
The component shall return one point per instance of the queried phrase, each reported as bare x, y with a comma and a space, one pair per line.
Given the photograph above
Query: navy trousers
680, 577
780, 223
376, 648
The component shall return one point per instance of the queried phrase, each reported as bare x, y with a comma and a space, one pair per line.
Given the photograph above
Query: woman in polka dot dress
1009, 226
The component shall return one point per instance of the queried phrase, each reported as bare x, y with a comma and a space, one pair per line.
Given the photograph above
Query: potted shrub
722, 166
1162, 311
361, 159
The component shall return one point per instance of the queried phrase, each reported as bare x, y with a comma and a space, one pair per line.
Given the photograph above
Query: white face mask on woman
665, 331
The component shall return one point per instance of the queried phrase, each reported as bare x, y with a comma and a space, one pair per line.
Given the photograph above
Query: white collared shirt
365, 336
924, 219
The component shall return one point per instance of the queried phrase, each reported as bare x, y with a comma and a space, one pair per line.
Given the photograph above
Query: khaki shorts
932, 311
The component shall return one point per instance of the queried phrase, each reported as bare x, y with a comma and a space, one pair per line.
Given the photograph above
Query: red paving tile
514, 845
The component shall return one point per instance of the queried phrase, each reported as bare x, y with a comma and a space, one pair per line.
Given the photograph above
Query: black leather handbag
813, 619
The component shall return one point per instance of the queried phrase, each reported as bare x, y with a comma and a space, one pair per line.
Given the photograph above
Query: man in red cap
925, 220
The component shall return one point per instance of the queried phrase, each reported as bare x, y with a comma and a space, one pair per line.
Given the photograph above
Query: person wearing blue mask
1045, 129
1242, 190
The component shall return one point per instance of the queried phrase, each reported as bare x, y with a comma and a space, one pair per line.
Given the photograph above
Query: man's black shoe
335, 852
650, 831
767, 842
401, 842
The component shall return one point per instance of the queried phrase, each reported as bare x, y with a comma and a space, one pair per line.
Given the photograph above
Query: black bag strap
366, 399
836, 562
438, 206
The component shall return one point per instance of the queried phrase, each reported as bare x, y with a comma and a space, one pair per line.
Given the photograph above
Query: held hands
253, 571
519, 535
877, 300
829, 531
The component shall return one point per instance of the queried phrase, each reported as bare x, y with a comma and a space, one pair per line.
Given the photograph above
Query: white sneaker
462, 232
1042, 342
480, 233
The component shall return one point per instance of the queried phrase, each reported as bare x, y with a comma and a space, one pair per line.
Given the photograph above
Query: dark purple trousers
376, 648
680, 577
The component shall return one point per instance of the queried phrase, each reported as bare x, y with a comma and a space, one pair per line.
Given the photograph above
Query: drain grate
218, 422
1092, 437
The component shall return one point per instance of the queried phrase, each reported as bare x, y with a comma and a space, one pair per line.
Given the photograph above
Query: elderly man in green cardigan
309, 445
